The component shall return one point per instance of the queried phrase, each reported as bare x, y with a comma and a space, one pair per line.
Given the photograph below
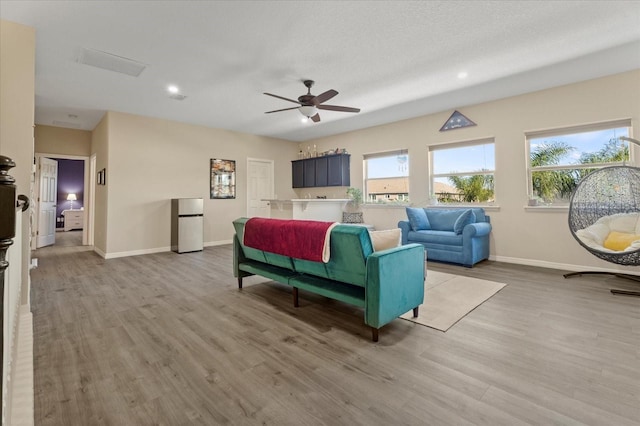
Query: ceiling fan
310, 104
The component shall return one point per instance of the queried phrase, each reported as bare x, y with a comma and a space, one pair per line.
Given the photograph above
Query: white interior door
47, 201
260, 187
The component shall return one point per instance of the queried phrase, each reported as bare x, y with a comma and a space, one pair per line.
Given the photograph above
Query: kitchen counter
326, 209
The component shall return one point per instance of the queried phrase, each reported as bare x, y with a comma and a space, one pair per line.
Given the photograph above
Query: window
386, 177
559, 158
463, 172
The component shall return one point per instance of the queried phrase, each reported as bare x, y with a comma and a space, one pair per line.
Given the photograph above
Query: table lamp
71, 198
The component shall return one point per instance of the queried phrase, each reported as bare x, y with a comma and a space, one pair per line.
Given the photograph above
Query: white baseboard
152, 250
218, 243
99, 252
554, 265
135, 252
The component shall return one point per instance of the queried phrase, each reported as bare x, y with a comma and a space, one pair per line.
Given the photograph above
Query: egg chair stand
635, 278
610, 193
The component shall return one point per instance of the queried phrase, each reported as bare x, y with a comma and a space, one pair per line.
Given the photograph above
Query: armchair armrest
394, 283
405, 227
473, 230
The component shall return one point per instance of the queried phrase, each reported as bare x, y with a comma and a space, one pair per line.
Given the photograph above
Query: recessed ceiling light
462, 75
173, 89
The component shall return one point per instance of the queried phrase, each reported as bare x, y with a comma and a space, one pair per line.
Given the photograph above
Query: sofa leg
295, 297
415, 311
240, 282
374, 334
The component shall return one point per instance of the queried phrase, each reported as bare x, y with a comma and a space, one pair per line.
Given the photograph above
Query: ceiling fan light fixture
310, 104
308, 110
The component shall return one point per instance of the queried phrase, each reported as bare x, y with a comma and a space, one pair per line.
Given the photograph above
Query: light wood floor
169, 339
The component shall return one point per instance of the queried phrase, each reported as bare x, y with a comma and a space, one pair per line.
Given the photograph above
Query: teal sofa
385, 283
457, 235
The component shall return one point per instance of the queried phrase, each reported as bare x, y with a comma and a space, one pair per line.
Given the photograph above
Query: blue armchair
459, 235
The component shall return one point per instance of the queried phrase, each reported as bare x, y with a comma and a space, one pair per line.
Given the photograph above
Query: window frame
365, 169
455, 145
573, 130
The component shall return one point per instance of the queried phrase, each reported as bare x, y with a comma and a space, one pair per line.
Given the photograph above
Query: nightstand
73, 219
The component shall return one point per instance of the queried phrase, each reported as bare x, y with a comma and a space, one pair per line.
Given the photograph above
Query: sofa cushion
480, 214
443, 220
463, 220
418, 218
436, 237
383, 240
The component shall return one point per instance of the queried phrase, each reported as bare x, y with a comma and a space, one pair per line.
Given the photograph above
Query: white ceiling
393, 59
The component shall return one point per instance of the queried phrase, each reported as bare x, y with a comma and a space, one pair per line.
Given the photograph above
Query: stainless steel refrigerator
186, 224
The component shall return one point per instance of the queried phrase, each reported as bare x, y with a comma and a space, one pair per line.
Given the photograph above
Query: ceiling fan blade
284, 109
338, 108
323, 97
284, 99
315, 118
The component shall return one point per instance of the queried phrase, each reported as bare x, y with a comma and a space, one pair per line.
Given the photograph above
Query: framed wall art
456, 121
102, 177
223, 178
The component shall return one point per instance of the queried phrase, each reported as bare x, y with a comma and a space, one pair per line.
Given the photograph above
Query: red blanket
300, 239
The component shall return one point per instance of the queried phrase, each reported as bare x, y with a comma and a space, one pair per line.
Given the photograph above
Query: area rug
448, 298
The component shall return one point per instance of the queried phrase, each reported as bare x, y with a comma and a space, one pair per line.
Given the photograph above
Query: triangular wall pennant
456, 121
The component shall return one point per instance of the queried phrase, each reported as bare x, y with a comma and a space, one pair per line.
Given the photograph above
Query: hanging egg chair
604, 217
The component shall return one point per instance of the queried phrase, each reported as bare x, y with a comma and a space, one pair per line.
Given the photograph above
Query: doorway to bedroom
60, 213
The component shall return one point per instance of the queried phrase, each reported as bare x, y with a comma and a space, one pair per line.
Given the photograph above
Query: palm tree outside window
558, 159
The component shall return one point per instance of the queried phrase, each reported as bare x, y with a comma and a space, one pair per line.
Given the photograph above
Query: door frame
91, 200
87, 189
271, 172
41, 240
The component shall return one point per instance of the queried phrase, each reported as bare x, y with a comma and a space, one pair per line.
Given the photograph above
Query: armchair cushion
619, 241
418, 219
386, 239
595, 236
436, 237
463, 220
444, 220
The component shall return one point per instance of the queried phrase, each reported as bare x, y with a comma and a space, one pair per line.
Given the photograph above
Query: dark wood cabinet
329, 170
321, 171
297, 174
338, 171
309, 167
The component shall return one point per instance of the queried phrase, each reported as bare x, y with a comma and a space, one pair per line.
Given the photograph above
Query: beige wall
17, 106
17, 99
100, 148
522, 235
151, 161
58, 140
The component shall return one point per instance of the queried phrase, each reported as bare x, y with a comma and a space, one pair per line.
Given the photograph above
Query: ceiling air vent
177, 97
108, 61
66, 124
